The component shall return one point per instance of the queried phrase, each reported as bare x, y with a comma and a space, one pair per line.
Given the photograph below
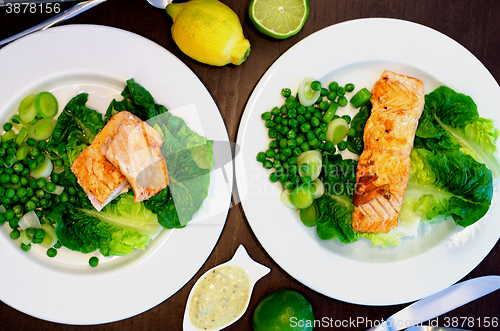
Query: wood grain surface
475, 24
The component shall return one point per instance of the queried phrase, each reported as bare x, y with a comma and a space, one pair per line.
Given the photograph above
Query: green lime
283, 310
278, 19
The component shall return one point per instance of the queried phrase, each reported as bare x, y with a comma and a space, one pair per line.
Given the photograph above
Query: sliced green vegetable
9, 135
21, 136
42, 129
42, 170
314, 161
310, 215
337, 130
285, 199
360, 98
307, 96
27, 110
302, 196
46, 104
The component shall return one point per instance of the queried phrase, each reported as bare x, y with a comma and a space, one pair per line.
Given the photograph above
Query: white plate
98, 60
358, 52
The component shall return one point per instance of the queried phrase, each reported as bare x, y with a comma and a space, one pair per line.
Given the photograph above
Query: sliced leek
307, 96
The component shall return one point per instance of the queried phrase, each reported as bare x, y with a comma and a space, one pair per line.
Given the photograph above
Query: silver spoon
160, 3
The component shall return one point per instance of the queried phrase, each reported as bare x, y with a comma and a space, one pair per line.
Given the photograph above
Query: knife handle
67, 14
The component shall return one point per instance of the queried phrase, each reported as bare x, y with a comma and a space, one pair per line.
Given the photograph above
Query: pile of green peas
295, 129
20, 193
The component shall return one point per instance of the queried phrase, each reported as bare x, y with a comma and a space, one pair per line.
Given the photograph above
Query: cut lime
279, 19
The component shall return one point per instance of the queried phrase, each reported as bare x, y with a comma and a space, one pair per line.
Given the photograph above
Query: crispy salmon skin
384, 166
97, 176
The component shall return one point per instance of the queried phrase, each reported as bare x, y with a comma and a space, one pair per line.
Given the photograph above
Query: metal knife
440, 303
67, 14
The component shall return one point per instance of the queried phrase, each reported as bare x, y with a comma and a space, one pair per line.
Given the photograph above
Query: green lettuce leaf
188, 182
335, 219
355, 143
448, 184
450, 121
119, 229
137, 100
76, 128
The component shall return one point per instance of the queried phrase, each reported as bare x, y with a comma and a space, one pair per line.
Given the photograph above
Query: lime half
279, 19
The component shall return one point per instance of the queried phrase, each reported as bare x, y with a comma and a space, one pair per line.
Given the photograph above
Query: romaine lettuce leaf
335, 219
450, 121
448, 184
188, 182
76, 128
137, 100
119, 229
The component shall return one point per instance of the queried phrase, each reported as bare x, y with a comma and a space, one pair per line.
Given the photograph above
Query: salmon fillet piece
97, 176
135, 151
384, 166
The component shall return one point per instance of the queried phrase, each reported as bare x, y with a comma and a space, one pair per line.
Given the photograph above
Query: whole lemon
209, 32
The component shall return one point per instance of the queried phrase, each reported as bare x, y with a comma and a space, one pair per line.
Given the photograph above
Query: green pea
275, 111
340, 91
301, 110
272, 133
15, 234
10, 193
283, 110
51, 252
352, 132
342, 101
301, 119
31, 142
332, 96
7, 126
25, 172
286, 92
94, 261
305, 127
274, 177
323, 92
315, 121
4, 178
30, 205
347, 118
25, 247
349, 87
333, 86
261, 156
64, 197
288, 185
287, 152
41, 145
292, 113
32, 164
297, 151
22, 192
292, 160
305, 147
40, 158
14, 223
324, 105
300, 139
310, 135
14, 179
342, 145
267, 164
273, 144
293, 123
37, 240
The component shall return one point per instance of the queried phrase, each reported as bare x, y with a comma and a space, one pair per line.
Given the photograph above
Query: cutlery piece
67, 14
160, 3
440, 303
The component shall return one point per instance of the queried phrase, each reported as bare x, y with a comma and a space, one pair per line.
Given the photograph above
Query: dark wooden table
474, 24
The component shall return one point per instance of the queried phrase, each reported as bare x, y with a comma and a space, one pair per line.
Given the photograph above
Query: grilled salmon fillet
384, 166
97, 176
135, 151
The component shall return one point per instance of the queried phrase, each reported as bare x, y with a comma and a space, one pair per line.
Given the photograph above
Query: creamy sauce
220, 297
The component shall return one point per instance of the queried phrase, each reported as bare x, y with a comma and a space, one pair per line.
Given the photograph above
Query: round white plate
98, 60
358, 52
